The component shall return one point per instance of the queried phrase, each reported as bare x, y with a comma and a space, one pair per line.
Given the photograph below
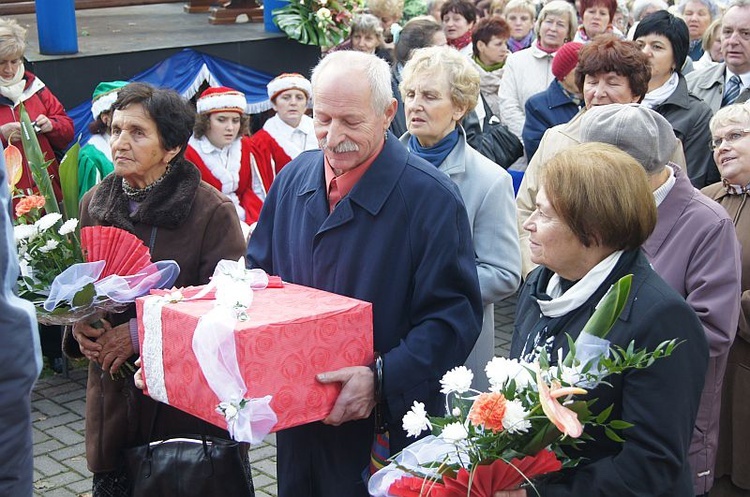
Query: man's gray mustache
343, 147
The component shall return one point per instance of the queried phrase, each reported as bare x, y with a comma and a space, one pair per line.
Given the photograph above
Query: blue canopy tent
185, 72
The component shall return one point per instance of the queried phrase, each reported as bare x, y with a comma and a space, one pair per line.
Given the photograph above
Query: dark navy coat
544, 110
401, 240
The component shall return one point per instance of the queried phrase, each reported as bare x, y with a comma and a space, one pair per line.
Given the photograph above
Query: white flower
68, 227
501, 370
415, 421
48, 221
454, 432
49, 246
228, 410
515, 420
456, 412
26, 269
456, 380
570, 376
323, 14
23, 231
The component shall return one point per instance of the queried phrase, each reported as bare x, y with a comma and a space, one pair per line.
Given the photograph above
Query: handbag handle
150, 450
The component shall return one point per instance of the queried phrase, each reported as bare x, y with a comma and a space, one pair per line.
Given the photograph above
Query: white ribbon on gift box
214, 347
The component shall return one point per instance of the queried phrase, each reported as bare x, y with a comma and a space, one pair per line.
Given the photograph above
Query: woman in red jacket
223, 152
17, 86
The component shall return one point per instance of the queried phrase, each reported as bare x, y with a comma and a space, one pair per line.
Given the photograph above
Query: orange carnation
26, 204
488, 410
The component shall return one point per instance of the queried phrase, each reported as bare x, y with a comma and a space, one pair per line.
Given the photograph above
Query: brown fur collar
167, 206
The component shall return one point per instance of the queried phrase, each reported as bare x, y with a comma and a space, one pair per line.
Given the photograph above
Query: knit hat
288, 81
104, 96
221, 99
565, 59
633, 128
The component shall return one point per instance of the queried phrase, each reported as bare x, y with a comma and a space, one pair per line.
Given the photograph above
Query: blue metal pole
56, 26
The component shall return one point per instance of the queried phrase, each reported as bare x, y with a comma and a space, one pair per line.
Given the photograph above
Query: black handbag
493, 139
189, 466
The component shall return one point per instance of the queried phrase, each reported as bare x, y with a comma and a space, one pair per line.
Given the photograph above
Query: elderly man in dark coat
364, 218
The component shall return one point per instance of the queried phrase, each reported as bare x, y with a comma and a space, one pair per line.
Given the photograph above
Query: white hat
288, 81
221, 99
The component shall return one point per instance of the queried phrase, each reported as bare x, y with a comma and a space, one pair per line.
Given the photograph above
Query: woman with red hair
596, 19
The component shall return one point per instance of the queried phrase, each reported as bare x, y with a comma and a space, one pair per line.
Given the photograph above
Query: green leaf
69, 181
612, 435
618, 424
607, 312
84, 296
37, 164
604, 415
609, 309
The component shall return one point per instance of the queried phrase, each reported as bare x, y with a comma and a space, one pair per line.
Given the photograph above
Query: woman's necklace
139, 194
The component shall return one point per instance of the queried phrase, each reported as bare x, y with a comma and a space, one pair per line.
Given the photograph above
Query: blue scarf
436, 154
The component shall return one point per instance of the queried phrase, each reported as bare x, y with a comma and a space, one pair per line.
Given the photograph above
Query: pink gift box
292, 334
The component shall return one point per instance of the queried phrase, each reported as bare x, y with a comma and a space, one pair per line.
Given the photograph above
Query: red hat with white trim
221, 99
288, 81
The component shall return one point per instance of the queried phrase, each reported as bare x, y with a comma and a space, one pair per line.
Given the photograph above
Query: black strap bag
189, 466
493, 139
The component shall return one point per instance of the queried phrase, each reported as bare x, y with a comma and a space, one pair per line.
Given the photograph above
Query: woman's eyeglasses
730, 137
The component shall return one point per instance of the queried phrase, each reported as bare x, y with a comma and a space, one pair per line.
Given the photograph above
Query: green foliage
37, 164
323, 23
69, 181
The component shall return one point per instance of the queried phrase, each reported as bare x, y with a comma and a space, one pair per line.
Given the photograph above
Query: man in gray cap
694, 248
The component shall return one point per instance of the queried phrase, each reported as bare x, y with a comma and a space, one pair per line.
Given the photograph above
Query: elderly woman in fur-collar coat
159, 196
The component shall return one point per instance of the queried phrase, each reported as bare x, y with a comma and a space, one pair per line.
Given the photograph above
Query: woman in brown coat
730, 141
159, 196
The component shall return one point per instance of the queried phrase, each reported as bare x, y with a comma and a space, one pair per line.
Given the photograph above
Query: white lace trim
153, 356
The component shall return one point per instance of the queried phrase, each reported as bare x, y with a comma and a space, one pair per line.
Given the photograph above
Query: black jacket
660, 401
689, 117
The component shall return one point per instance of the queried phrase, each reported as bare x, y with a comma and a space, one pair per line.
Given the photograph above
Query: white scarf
13, 88
661, 94
224, 164
578, 294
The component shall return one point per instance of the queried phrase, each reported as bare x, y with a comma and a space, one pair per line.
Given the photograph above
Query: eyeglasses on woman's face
731, 137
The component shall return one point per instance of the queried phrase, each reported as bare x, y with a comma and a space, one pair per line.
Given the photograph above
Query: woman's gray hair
713, 9
559, 8
640, 6
463, 78
731, 114
374, 69
12, 38
367, 24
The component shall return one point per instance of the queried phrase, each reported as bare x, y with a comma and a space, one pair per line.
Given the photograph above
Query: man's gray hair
374, 69
738, 3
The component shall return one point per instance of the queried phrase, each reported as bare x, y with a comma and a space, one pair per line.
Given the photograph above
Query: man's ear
390, 112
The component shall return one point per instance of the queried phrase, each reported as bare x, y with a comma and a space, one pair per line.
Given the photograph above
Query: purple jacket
694, 248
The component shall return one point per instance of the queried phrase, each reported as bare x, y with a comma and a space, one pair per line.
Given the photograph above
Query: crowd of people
375, 179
